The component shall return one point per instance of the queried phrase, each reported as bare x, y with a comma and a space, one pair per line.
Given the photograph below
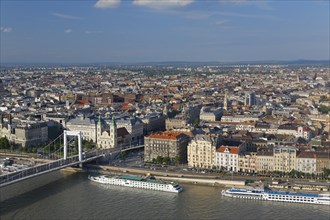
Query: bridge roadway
30, 172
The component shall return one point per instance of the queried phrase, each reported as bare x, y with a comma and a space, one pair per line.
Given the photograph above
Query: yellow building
284, 158
201, 152
264, 162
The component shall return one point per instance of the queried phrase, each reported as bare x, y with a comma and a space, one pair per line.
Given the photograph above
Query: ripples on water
75, 197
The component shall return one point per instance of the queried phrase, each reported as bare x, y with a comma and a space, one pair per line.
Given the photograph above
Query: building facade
264, 162
227, 158
84, 124
247, 162
24, 133
322, 161
284, 158
201, 152
134, 126
306, 162
166, 144
107, 138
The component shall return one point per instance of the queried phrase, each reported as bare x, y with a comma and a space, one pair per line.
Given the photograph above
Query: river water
75, 197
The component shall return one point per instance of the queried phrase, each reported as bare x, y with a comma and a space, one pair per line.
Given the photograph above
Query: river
75, 197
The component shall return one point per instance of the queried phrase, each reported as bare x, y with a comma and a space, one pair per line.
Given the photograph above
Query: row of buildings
211, 152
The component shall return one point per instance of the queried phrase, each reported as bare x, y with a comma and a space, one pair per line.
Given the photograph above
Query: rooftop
170, 135
232, 150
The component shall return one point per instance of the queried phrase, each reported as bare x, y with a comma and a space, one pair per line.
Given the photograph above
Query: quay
170, 176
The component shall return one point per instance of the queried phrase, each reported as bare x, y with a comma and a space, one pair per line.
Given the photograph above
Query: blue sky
163, 30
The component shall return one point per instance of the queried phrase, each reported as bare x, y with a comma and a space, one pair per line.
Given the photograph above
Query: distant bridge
58, 164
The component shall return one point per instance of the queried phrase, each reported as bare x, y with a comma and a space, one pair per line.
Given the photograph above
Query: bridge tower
73, 133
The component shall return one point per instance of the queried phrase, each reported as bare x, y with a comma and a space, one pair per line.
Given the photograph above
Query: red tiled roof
306, 154
232, 150
171, 135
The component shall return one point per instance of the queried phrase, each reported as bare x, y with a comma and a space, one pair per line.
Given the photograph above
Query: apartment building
227, 158
285, 158
201, 151
166, 144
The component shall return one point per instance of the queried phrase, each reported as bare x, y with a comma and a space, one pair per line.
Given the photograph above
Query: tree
166, 160
326, 172
177, 159
123, 155
324, 109
4, 143
196, 121
88, 144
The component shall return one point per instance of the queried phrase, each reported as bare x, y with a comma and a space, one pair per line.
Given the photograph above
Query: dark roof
121, 132
288, 127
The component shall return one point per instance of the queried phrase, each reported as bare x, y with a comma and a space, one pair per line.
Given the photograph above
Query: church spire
113, 133
225, 101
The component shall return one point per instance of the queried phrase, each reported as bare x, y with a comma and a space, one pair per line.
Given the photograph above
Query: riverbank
162, 175
212, 180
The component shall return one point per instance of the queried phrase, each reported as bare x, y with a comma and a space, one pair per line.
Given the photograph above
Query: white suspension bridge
63, 155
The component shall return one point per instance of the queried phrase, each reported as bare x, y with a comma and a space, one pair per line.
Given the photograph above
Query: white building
303, 132
106, 138
306, 162
227, 158
86, 125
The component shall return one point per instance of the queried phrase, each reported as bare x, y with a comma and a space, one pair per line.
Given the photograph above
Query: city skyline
155, 31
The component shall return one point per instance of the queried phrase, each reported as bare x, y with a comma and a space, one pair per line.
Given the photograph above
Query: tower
2, 90
113, 133
99, 127
225, 102
250, 98
165, 111
297, 78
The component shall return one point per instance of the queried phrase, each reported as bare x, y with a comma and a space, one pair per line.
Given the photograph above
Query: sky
89, 31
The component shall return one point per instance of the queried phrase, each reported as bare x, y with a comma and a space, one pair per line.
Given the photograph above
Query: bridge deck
57, 165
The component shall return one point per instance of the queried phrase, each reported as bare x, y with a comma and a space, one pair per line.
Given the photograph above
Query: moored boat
148, 182
270, 195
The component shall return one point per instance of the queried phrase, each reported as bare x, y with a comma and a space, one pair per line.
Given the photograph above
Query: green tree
326, 172
196, 121
123, 155
88, 144
166, 160
324, 109
4, 143
177, 159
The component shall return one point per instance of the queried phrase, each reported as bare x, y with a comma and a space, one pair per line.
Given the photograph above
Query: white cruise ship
138, 182
270, 195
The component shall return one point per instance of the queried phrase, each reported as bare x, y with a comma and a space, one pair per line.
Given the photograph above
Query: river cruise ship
270, 195
148, 182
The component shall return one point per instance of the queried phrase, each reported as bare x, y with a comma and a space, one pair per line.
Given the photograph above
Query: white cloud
162, 4
107, 3
6, 29
93, 32
59, 15
262, 4
220, 22
236, 2
68, 30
